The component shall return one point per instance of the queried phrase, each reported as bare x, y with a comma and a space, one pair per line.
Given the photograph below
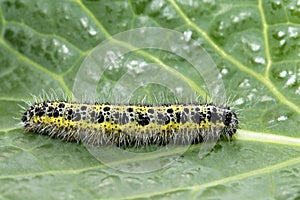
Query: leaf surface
255, 45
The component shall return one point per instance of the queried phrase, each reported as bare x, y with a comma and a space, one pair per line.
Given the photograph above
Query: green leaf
255, 45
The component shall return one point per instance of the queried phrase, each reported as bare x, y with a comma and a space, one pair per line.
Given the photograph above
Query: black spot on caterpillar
128, 125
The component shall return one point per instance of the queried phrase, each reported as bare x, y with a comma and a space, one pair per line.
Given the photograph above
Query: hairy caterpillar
127, 125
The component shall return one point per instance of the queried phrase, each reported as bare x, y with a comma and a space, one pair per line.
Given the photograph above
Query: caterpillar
128, 125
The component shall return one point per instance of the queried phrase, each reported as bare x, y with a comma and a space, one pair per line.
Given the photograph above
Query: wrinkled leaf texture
255, 45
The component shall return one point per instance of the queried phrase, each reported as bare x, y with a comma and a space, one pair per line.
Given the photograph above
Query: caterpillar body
127, 125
